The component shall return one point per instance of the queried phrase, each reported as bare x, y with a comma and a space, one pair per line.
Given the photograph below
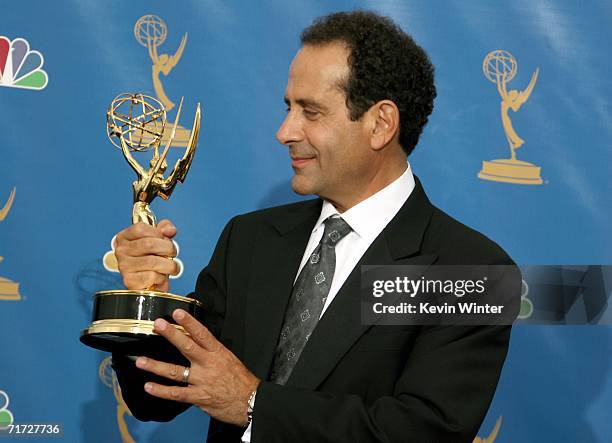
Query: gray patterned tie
307, 299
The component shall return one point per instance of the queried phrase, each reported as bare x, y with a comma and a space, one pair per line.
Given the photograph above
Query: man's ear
386, 119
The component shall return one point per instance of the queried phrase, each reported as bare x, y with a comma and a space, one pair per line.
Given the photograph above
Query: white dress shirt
367, 219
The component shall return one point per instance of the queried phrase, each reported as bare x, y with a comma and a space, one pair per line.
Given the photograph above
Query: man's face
330, 154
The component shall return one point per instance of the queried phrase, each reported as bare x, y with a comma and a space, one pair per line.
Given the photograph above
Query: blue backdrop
73, 189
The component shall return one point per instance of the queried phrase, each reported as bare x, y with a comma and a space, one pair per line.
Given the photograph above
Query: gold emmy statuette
122, 320
9, 290
151, 32
500, 67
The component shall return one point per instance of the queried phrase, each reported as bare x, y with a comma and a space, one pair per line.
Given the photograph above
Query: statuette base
511, 171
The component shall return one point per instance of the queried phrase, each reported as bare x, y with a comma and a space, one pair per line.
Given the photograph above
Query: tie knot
335, 230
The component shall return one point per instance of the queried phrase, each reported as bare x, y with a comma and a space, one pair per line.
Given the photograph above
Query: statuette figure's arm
128, 156
182, 165
524, 95
501, 86
174, 59
7, 207
153, 52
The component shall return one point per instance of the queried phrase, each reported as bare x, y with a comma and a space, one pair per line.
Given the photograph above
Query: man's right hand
144, 255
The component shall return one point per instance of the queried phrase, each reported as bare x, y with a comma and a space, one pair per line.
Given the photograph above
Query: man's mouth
299, 161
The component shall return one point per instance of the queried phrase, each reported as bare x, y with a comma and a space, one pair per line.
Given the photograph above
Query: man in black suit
358, 95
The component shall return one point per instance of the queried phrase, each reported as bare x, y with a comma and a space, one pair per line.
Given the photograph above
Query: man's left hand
218, 383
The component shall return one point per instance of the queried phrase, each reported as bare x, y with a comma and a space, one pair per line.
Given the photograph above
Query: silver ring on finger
186, 375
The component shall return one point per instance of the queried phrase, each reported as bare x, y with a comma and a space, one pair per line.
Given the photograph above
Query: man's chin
301, 188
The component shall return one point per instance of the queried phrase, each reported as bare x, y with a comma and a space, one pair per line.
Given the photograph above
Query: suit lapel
340, 326
278, 252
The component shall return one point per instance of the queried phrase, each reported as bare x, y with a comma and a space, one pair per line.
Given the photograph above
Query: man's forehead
317, 70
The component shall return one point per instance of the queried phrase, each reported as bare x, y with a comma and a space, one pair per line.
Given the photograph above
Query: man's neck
377, 182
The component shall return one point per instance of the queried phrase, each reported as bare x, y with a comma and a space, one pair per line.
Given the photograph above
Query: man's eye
310, 114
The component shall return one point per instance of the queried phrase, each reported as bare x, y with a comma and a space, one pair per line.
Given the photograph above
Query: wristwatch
251, 406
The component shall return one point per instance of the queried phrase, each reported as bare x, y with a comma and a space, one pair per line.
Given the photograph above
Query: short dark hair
384, 63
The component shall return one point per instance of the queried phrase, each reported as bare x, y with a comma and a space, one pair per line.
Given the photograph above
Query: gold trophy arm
179, 172
7, 207
174, 59
162, 158
128, 156
524, 95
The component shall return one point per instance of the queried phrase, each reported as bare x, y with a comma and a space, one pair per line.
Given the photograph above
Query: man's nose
290, 130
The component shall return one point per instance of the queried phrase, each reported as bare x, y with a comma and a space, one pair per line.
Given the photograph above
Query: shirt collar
369, 217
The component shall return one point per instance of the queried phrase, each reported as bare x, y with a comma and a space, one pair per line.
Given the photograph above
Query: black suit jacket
353, 382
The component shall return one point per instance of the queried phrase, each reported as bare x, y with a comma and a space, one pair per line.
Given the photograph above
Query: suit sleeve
442, 395
210, 290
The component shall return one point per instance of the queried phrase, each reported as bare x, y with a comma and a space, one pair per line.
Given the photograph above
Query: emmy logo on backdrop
500, 67
492, 436
9, 290
151, 31
109, 378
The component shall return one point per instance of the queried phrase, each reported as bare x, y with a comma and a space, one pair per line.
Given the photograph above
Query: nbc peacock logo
6, 416
21, 67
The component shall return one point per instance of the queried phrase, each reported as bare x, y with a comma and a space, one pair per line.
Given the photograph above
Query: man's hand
144, 255
219, 383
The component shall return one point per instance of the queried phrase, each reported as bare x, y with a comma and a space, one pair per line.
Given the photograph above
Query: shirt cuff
246, 437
